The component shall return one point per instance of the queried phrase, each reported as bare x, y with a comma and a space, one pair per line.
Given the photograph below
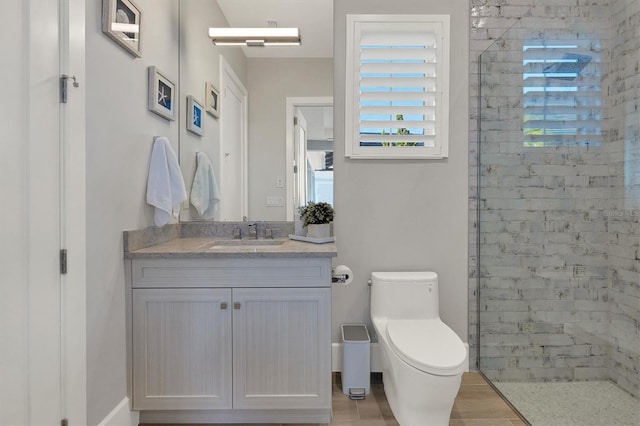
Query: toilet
422, 358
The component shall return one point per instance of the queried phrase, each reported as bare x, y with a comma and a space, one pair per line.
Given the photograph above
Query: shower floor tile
597, 403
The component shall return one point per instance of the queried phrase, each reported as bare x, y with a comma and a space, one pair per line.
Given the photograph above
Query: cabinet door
181, 349
282, 348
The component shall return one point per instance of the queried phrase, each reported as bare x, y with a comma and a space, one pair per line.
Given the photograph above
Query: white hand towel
165, 185
204, 191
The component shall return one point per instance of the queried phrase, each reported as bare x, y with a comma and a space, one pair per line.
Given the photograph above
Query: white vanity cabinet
281, 348
231, 340
182, 349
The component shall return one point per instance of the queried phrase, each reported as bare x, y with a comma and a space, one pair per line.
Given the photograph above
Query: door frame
73, 214
226, 71
300, 184
291, 104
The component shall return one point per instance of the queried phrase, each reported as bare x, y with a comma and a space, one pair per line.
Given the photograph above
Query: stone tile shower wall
623, 140
543, 265
490, 19
559, 266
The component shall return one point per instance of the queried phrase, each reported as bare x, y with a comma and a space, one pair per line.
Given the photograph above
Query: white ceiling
313, 17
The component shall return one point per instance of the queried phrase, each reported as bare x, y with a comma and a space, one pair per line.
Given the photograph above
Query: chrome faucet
253, 231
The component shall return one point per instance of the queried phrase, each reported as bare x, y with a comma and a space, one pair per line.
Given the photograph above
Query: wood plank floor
477, 404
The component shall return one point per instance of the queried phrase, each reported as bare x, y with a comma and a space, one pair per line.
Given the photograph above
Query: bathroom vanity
230, 331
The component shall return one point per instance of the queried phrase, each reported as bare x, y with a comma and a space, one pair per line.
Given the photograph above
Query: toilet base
422, 409
416, 398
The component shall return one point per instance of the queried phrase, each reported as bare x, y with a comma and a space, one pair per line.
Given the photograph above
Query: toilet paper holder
340, 279
341, 275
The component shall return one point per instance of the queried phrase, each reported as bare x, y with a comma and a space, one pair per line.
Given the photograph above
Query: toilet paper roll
342, 274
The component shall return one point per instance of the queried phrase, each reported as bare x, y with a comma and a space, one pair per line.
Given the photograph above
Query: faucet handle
270, 233
253, 230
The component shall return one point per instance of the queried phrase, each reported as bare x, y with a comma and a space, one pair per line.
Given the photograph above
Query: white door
42, 176
300, 165
233, 145
30, 217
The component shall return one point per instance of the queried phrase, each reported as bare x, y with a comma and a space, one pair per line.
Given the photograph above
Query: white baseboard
121, 415
376, 359
466, 346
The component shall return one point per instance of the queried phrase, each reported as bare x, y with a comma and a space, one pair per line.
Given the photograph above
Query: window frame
440, 25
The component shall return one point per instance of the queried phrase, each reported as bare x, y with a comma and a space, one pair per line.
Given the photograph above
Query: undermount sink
245, 243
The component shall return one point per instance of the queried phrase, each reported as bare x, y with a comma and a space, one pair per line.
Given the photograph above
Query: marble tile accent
152, 235
225, 229
149, 236
207, 248
197, 240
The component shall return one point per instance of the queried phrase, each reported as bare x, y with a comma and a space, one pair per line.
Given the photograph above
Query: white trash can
356, 360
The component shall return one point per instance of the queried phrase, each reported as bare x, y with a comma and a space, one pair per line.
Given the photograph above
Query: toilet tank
404, 295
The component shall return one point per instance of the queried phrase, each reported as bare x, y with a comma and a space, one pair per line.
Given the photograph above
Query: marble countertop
211, 248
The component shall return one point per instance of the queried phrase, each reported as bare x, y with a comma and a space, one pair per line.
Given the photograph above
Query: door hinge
64, 86
63, 265
64, 422
295, 168
295, 121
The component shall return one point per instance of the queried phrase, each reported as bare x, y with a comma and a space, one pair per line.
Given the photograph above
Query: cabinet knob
223, 305
236, 305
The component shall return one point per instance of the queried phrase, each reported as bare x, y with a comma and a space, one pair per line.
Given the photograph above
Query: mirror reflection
313, 151
265, 162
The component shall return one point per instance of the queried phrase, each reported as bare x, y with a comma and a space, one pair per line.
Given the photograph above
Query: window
397, 86
561, 93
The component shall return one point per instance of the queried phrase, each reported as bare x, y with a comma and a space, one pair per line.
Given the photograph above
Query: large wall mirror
268, 120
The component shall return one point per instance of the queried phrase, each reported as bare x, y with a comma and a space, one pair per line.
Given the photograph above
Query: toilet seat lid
428, 345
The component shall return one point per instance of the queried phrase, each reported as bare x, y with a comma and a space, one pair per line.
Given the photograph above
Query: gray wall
395, 215
270, 82
200, 62
120, 133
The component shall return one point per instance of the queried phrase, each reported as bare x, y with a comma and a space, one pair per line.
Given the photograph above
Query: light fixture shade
254, 36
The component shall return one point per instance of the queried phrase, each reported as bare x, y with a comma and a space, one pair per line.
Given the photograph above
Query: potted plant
316, 217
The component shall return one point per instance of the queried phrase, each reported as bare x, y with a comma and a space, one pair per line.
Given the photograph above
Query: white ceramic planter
322, 230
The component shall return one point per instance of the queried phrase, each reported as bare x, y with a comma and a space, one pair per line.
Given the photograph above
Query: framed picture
212, 99
121, 20
194, 116
162, 94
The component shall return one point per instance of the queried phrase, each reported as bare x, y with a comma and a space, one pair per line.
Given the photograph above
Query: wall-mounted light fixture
255, 36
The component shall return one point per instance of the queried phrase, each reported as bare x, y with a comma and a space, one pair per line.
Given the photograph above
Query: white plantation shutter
397, 86
561, 93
